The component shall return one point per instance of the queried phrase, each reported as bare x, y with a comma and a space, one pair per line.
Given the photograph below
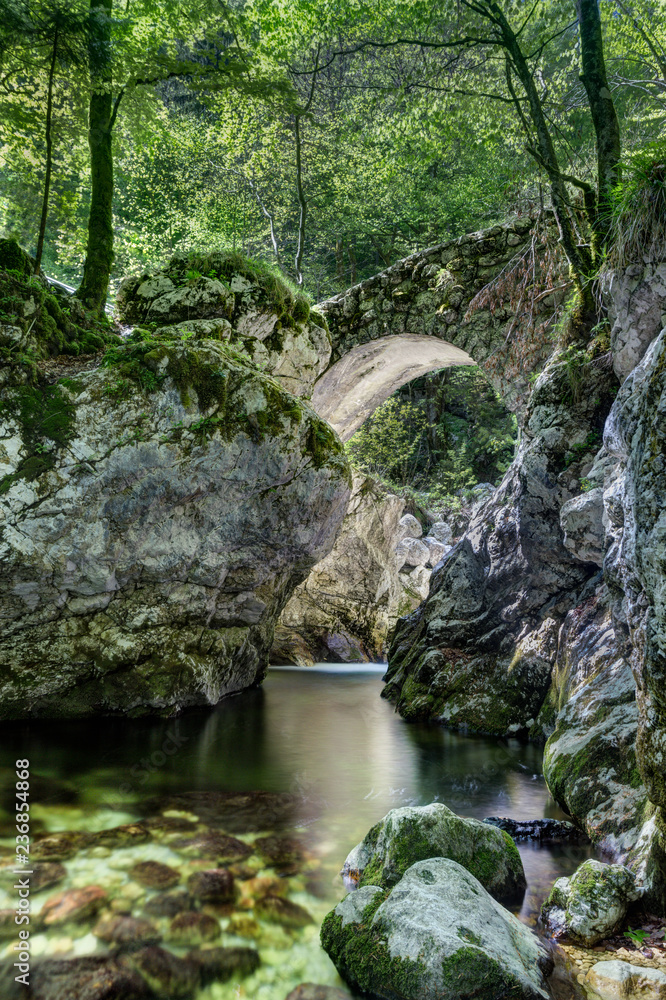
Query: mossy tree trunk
99, 252
604, 116
49, 154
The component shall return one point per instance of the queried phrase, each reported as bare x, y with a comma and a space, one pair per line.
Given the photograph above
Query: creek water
322, 735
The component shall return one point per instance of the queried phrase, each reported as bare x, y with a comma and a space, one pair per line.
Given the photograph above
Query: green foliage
637, 937
440, 435
639, 217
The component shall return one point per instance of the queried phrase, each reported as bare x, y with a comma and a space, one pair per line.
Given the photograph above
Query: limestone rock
635, 438
124, 931
155, 875
621, 981
147, 550
637, 312
352, 598
591, 719
436, 934
409, 527
416, 582
592, 904
582, 523
441, 531
412, 552
224, 297
437, 550
410, 834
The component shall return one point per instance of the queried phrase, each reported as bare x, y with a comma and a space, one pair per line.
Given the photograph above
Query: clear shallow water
327, 738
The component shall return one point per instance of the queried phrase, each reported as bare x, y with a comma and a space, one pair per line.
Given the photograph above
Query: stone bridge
410, 319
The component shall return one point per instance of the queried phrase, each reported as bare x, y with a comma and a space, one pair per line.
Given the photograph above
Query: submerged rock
72, 906
125, 931
282, 911
60, 846
410, 834
590, 905
212, 844
213, 886
154, 875
46, 875
222, 964
193, 928
547, 831
92, 978
437, 935
166, 974
168, 904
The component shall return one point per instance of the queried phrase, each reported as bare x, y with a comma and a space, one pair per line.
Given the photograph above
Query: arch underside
348, 392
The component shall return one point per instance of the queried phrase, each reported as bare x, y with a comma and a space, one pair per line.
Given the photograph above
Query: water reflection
327, 737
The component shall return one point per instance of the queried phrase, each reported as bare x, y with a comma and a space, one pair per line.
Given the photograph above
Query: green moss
27, 302
472, 965
14, 258
46, 417
363, 959
323, 443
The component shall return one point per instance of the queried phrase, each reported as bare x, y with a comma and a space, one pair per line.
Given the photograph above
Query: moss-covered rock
34, 322
415, 833
592, 904
157, 512
436, 934
226, 296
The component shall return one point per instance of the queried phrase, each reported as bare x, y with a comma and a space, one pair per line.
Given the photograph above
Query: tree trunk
99, 252
302, 203
602, 108
49, 156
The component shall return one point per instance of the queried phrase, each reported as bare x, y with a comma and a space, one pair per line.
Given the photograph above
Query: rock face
410, 834
437, 934
155, 516
478, 654
637, 312
592, 904
353, 597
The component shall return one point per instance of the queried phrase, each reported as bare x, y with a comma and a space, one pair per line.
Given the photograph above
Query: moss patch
48, 325
46, 417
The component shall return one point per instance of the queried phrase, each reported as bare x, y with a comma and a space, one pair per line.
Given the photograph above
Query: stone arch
381, 328
354, 386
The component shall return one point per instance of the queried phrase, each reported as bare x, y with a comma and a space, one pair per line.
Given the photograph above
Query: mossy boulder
34, 322
410, 834
590, 905
155, 515
436, 935
226, 296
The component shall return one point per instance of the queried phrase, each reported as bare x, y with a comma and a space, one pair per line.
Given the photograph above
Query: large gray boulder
437, 935
590, 905
155, 515
415, 833
621, 981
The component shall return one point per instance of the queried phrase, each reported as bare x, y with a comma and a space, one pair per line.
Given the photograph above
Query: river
322, 735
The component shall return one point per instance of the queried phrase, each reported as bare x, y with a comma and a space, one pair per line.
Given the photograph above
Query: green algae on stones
436, 934
410, 834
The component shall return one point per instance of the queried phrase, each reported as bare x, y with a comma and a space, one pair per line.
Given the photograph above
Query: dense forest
327, 143
328, 140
